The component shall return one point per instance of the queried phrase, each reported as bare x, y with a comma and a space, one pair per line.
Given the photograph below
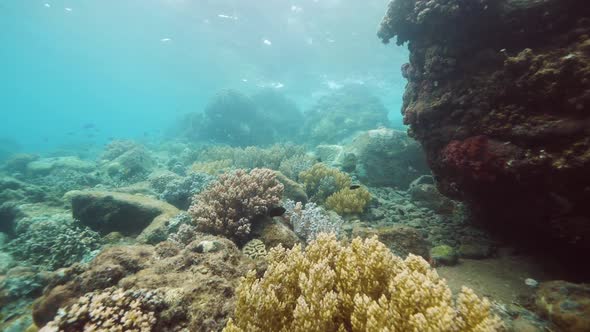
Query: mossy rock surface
565, 304
130, 215
444, 255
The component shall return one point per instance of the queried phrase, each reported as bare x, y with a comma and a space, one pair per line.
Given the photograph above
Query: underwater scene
295, 165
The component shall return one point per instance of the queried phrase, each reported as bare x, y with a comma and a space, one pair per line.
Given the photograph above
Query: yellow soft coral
348, 201
322, 181
359, 287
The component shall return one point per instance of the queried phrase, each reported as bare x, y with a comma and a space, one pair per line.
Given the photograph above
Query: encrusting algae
358, 287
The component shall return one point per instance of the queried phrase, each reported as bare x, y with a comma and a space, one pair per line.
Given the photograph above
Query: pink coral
229, 205
474, 157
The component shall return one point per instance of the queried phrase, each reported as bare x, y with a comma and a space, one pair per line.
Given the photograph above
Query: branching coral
53, 243
359, 287
312, 220
349, 201
322, 181
112, 310
230, 205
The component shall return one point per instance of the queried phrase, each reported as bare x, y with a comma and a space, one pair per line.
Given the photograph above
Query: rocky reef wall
498, 94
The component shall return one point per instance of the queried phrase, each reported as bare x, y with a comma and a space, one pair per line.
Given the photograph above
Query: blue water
81, 72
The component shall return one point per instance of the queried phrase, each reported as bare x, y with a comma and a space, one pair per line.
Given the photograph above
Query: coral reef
45, 166
19, 287
390, 207
349, 201
179, 191
112, 309
359, 287
17, 163
197, 285
503, 116
342, 114
125, 162
53, 242
232, 203
252, 156
215, 167
309, 221
185, 234
294, 165
322, 181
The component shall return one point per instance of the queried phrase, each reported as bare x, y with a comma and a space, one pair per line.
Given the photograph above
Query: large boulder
339, 116
503, 116
130, 215
386, 158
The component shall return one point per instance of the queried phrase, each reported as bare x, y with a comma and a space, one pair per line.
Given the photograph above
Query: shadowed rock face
499, 96
131, 215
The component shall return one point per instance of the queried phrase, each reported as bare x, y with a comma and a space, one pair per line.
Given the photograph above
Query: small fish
354, 186
267, 42
70, 133
227, 17
47, 5
277, 211
68, 9
88, 125
296, 9
165, 40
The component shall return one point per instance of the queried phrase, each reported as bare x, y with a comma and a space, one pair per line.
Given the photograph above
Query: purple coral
229, 206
